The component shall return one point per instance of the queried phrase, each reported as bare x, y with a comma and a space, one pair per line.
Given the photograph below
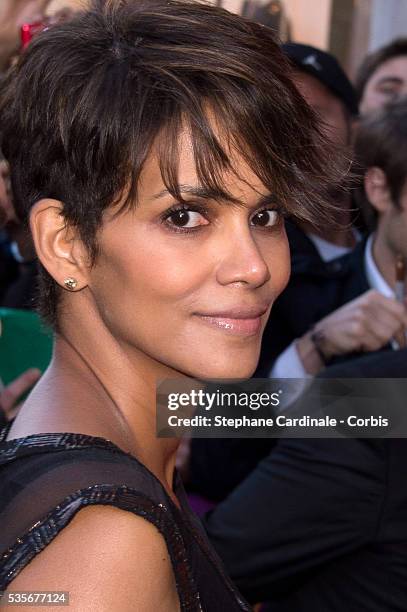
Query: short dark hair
374, 60
381, 141
84, 104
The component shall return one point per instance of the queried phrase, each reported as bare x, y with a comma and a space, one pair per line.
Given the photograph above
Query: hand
365, 324
13, 391
13, 13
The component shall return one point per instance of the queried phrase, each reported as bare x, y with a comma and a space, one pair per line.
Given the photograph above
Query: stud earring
70, 283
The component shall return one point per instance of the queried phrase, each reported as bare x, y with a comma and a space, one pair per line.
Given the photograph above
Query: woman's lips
238, 325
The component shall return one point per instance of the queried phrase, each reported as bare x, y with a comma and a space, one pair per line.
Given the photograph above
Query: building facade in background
348, 28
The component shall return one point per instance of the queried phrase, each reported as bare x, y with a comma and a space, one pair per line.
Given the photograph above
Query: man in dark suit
320, 524
316, 289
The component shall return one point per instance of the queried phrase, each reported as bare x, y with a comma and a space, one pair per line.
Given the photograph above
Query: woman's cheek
276, 254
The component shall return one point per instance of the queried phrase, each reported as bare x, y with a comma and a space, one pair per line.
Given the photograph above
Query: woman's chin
226, 371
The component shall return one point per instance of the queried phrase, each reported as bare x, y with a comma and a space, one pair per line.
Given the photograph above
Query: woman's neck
97, 387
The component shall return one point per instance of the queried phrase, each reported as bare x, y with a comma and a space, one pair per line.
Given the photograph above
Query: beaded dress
45, 479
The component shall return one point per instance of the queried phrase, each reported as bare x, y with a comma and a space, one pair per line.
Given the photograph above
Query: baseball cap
324, 67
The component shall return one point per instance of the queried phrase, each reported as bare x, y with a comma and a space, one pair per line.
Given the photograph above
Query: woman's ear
377, 189
58, 246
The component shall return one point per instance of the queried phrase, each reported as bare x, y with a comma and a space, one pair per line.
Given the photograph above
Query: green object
24, 343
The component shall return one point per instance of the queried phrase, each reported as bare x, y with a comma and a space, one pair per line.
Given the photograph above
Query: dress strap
4, 430
126, 498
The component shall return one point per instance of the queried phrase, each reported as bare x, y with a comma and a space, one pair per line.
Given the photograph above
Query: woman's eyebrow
197, 191
209, 194
267, 200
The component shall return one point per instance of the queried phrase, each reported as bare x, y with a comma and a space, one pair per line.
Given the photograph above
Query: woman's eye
186, 218
265, 218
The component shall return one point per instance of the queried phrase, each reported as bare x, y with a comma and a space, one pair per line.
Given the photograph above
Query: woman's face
191, 286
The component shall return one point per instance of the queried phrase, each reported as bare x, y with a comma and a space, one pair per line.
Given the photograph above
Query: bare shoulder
108, 559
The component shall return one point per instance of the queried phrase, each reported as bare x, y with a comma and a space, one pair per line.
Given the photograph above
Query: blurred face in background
21, 11
56, 6
327, 106
15, 13
387, 84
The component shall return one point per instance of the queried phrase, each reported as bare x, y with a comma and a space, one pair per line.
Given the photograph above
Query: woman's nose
242, 261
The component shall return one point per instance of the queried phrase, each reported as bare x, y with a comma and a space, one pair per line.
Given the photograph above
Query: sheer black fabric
46, 479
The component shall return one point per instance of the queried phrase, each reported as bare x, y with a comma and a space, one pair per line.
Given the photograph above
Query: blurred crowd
290, 517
